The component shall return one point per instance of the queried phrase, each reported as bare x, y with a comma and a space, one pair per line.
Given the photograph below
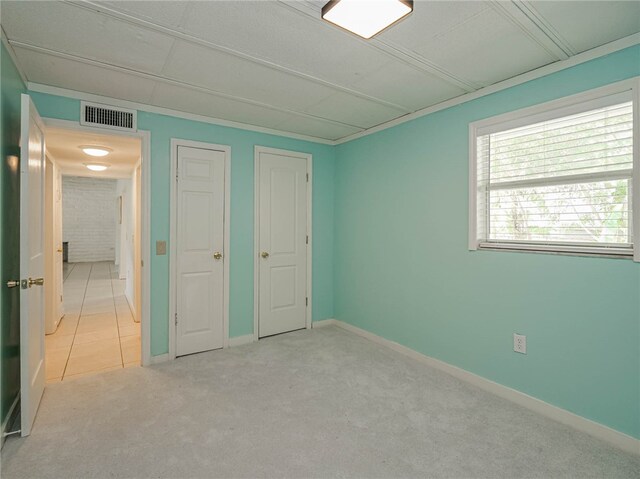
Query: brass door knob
59, 250
264, 254
36, 282
217, 255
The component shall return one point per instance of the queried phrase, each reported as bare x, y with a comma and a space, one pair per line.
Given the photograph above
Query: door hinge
307, 239
307, 177
307, 301
176, 319
177, 175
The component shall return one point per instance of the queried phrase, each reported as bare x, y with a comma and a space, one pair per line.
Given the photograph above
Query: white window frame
539, 113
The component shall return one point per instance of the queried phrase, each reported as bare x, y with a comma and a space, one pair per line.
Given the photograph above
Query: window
558, 177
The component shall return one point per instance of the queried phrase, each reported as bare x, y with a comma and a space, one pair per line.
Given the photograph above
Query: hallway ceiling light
97, 166
366, 18
96, 150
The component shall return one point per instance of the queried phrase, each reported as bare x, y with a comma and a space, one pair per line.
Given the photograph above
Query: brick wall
89, 207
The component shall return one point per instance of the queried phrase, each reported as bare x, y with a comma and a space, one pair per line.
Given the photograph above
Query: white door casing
282, 230
32, 182
200, 255
57, 237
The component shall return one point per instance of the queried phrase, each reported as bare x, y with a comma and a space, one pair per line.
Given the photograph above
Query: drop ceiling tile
353, 110
168, 14
64, 73
319, 129
191, 101
229, 74
430, 19
278, 33
485, 49
586, 25
85, 33
404, 85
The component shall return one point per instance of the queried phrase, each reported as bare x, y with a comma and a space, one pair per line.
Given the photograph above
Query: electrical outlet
520, 343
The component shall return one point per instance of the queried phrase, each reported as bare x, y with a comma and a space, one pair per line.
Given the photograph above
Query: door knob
37, 282
264, 254
59, 250
217, 255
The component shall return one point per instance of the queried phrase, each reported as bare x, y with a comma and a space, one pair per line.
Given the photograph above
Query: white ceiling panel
404, 85
485, 49
222, 72
64, 73
589, 24
276, 64
354, 111
430, 19
320, 129
276, 33
188, 100
69, 29
166, 13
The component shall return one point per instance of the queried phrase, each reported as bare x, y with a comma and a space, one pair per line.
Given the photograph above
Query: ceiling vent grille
105, 116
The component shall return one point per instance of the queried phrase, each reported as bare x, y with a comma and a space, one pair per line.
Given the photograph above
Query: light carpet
318, 403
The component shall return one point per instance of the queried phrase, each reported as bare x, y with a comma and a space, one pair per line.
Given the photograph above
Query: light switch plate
161, 248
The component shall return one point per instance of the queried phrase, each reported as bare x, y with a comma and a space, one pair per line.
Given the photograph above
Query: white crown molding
125, 17
600, 431
78, 95
583, 57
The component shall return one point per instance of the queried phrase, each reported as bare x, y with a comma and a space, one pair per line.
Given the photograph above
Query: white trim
241, 340
256, 232
323, 323
600, 431
78, 95
161, 358
173, 222
583, 57
621, 91
145, 162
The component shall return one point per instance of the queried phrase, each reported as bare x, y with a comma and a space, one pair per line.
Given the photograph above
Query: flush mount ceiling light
97, 166
95, 150
366, 18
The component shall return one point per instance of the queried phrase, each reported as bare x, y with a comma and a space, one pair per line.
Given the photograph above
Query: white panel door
282, 233
199, 249
32, 170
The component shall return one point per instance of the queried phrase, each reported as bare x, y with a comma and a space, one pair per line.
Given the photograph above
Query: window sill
589, 251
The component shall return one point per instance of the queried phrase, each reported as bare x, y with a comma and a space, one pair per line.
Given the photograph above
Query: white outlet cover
520, 343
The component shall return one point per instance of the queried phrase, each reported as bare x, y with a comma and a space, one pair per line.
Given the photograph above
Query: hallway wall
89, 207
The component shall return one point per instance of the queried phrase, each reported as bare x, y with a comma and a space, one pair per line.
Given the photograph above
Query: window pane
596, 141
595, 212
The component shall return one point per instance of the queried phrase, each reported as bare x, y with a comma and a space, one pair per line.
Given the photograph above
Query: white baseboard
161, 358
616, 438
240, 340
323, 323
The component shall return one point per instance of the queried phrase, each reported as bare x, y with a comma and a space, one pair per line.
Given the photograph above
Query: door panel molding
173, 283
258, 150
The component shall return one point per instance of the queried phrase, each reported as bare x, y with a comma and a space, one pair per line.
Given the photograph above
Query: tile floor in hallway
97, 332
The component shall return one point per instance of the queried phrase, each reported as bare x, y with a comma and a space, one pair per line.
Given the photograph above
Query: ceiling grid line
511, 12
536, 17
118, 15
179, 83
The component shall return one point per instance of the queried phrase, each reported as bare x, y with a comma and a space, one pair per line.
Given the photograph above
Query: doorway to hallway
98, 332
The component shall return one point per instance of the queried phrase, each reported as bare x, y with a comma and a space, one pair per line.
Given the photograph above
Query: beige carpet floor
318, 403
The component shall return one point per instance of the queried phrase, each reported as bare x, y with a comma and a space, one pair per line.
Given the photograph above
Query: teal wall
242, 143
11, 87
403, 270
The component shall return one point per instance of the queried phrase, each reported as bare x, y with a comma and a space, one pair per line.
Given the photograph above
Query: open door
32, 170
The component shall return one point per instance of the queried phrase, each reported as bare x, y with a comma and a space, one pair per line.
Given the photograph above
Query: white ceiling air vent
106, 116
